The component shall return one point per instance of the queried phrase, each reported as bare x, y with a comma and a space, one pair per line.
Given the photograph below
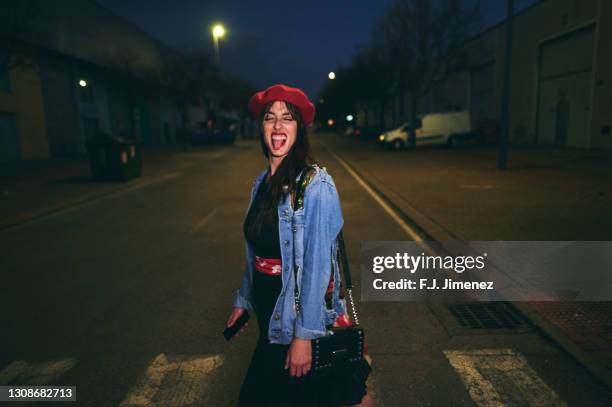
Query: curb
18, 220
21, 219
146, 178
431, 230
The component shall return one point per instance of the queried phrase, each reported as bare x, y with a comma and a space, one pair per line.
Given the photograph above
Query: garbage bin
114, 158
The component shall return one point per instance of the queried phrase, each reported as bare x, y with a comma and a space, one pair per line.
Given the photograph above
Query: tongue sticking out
276, 144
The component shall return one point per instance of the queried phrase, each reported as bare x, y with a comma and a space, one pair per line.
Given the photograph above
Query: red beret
286, 93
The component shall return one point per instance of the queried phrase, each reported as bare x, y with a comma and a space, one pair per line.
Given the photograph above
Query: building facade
561, 77
88, 71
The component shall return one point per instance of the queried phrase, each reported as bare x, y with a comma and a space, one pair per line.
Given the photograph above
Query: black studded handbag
342, 347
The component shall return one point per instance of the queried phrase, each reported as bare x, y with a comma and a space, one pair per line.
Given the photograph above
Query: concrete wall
533, 27
58, 88
171, 120
78, 39
26, 102
87, 31
601, 120
566, 25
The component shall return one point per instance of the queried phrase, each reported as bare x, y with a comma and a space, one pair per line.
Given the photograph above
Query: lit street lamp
331, 75
218, 31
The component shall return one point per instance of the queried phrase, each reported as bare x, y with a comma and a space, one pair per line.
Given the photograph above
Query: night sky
296, 43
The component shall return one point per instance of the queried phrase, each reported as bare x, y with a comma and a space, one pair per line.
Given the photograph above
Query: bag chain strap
355, 318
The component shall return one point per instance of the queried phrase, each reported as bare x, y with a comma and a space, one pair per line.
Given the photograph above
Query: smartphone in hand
230, 331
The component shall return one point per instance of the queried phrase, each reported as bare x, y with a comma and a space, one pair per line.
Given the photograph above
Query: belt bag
342, 347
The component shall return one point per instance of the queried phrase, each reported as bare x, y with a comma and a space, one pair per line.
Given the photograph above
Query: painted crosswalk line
501, 377
173, 381
39, 373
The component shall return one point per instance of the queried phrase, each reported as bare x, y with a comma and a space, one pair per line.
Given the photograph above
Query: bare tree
367, 78
378, 80
194, 79
421, 42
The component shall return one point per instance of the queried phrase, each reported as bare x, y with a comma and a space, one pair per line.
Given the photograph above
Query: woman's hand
236, 313
299, 357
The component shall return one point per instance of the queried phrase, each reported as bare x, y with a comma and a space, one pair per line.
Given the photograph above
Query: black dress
267, 382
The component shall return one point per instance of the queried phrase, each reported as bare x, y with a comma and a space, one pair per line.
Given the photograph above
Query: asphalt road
126, 297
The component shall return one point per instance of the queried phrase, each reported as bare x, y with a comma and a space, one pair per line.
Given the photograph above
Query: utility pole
505, 119
217, 53
218, 31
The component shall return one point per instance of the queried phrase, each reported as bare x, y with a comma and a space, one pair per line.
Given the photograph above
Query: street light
218, 31
82, 83
331, 75
349, 118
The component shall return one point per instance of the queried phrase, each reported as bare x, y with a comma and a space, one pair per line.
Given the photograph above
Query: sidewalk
546, 194
34, 188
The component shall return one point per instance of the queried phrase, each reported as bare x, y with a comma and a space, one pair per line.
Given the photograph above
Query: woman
277, 235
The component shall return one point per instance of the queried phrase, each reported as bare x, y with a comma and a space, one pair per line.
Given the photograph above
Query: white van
450, 128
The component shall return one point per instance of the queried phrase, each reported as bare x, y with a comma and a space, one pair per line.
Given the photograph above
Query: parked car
449, 128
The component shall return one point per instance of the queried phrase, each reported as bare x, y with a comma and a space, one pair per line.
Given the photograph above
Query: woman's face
279, 129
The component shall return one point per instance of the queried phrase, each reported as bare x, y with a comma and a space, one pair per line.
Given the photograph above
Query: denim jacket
313, 230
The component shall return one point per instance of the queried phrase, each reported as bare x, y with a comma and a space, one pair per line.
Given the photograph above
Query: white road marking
204, 221
143, 182
83, 202
173, 381
478, 186
481, 370
22, 372
371, 384
405, 227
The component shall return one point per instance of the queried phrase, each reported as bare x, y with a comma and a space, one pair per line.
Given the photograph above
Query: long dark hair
283, 180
